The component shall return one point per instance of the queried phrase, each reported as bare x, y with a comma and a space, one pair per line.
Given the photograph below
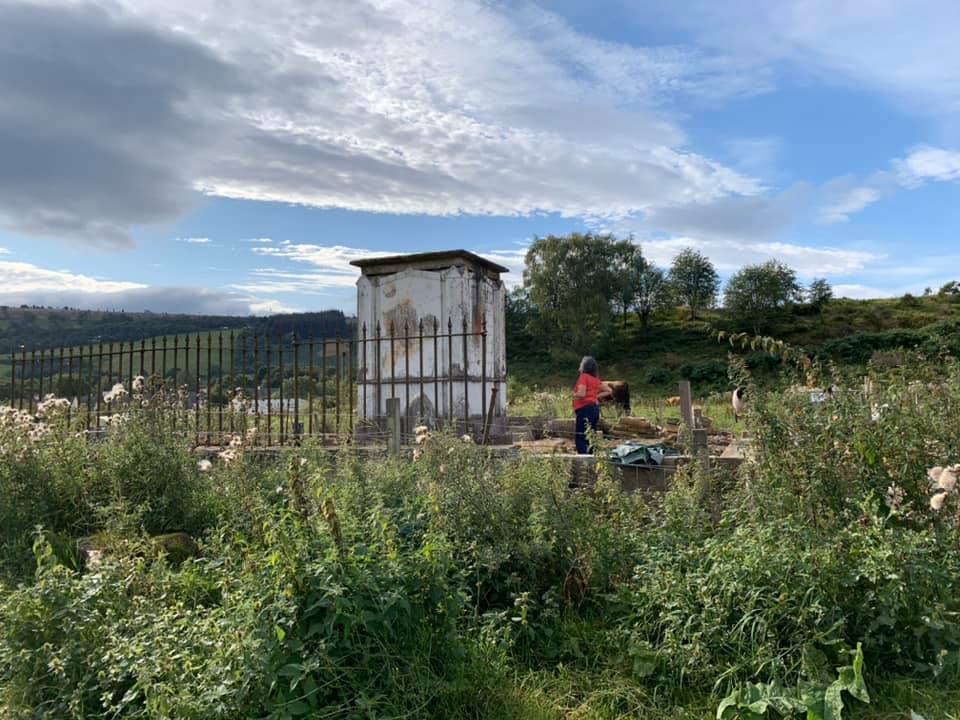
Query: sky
221, 156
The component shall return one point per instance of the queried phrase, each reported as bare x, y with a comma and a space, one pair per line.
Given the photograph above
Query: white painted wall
402, 300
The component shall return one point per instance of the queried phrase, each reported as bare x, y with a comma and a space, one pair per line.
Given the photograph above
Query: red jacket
593, 386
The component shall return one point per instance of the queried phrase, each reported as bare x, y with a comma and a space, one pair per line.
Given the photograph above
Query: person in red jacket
587, 394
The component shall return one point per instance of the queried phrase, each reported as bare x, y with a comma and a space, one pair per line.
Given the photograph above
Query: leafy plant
816, 700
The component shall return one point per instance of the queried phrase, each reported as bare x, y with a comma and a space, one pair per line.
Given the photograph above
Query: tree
693, 281
950, 288
819, 293
628, 266
653, 292
759, 293
569, 280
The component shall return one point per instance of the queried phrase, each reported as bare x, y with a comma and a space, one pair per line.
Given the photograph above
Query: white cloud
21, 277
454, 106
4, 251
260, 241
730, 256
22, 282
928, 163
195, 240
854, 201
331, 269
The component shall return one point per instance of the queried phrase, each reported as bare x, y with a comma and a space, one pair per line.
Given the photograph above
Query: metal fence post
393, 424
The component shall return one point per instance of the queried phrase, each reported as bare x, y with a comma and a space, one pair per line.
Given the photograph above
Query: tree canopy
572, 281
759, 293
693, 281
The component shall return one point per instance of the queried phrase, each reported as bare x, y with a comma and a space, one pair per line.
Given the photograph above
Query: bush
659, 376
705, 372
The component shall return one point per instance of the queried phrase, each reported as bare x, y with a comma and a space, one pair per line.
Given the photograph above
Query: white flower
251, 434
204, 465
236, 441
137, 385
466, 438
948, 479
228, 455
52, 405
936, 502
934, 474
303, 462
117, 392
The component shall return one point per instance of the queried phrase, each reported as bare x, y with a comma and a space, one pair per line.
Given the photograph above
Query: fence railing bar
99, 382
483, 370
13, 378
296, 389
379, 370
266, 347
436, 373
280, 388
351, 384
312, 384
256, 387
196, 392
219, 388
450, 366
466, 386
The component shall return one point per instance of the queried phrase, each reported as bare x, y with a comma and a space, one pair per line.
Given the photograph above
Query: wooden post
393, 425
686, 404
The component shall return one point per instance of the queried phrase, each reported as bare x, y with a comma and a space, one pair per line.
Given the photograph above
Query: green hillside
45, 328
849, 332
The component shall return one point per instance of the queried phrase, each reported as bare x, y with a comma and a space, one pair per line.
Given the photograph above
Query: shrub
705, 372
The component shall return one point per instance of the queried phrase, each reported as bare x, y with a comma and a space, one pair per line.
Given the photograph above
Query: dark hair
589, 366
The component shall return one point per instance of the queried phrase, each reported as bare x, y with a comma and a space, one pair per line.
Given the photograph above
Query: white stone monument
430, 328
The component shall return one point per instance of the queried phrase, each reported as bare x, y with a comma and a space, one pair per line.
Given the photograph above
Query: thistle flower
948, 479
52, 405
116, 393
936, 502
894, 497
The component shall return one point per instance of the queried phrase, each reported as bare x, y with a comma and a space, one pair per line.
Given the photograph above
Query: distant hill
44, 328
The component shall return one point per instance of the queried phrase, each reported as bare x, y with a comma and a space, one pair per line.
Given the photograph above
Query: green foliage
706, 373
815, 700
573, 282
819, 293
758, 294
694, 282
459, 584
652, 292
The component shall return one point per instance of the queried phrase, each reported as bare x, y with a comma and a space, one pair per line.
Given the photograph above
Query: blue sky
179, 157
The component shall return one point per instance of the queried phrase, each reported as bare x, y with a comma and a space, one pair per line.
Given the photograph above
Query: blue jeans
586, 416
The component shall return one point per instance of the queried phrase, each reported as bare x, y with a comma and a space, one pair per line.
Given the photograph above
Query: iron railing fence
218, 384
